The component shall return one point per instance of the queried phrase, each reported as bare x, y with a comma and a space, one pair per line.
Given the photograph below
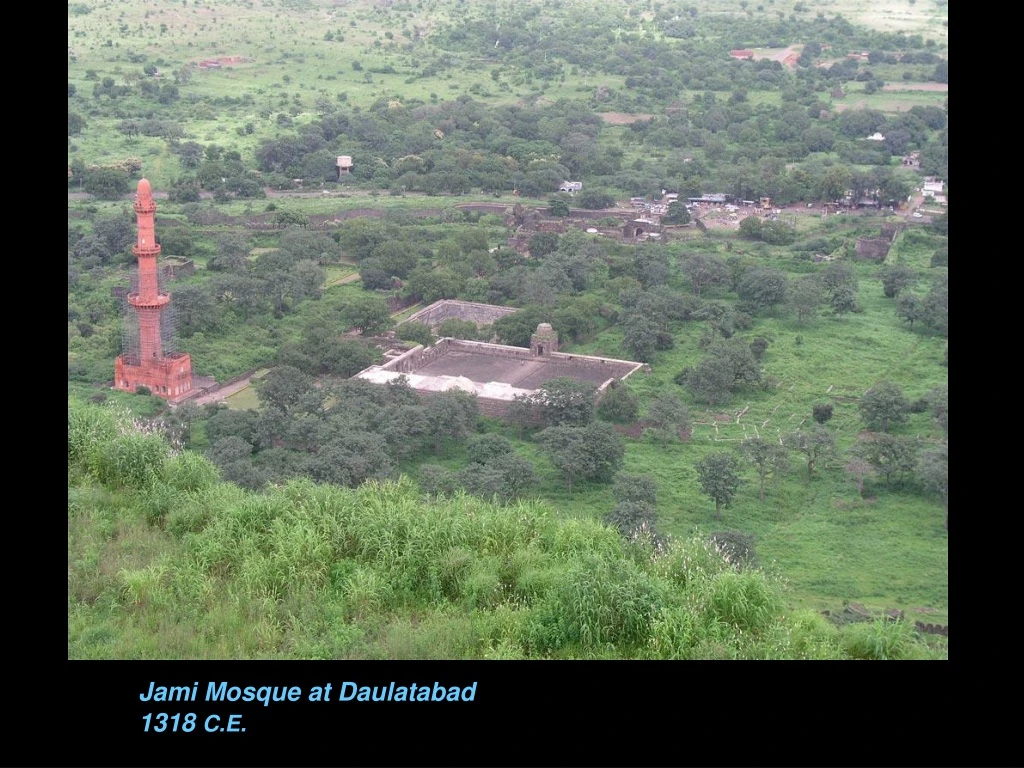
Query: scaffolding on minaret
150, 356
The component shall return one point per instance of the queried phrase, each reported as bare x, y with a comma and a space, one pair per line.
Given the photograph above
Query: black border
588, 713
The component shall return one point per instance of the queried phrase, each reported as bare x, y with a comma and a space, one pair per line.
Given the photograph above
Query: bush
822, 412
630, 516
736, 547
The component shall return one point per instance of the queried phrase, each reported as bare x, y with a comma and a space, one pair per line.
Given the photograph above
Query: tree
909, 308
859, 469
565, 401
727, 365
117, 232
938, 406
718, 475
593, 452
618, 404
705, 270
300, 244
396, 257
843, 300
935, 307
933, 472
451, 414
543, 243
283, 387
130, 127
805, 297
421, 333
558, 208
636, 488
890, 455
197, 311
368, 313
817, 445
762, 288
75, 123
594, 199
883, 407
643, 334
350, 458
677, 213
895, 278
506, 477
769, 458
834, 183
106, 183
736, 547
455, 328
521, 412
777, 232
710, 381
650, 265
630, 517
483, 449
750, 228
669, 416
822, 412
840, 283
516, 329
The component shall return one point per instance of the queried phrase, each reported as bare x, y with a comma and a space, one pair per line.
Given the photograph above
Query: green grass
243, 400
889, 101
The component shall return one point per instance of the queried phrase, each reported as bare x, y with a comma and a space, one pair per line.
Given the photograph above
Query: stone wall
417, 357
481, 314
877, 248
617, 369
495, 350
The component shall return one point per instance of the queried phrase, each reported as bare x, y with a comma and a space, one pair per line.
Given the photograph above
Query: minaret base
169, 377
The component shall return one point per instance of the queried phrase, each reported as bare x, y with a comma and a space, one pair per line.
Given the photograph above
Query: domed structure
459, 382
545, 341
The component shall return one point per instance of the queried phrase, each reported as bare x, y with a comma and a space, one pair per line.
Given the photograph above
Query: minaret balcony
155, 302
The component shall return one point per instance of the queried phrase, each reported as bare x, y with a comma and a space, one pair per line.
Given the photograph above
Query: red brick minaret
166, 374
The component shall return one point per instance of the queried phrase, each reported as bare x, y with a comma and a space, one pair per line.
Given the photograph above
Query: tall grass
175, 564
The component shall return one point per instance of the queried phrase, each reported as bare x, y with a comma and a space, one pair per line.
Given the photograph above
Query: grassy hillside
164, 561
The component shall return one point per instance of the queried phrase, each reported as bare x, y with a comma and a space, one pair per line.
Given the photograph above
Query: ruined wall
417, 357
481, 314
617, 369
877, 248
495, 350
488, 406
872, 248
174, 267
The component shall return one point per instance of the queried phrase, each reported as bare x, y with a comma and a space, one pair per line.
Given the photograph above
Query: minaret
167, 374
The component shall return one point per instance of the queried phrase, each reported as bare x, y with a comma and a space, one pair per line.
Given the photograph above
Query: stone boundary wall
419, 356
593, 363
877, 248
446, 309
488, 406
